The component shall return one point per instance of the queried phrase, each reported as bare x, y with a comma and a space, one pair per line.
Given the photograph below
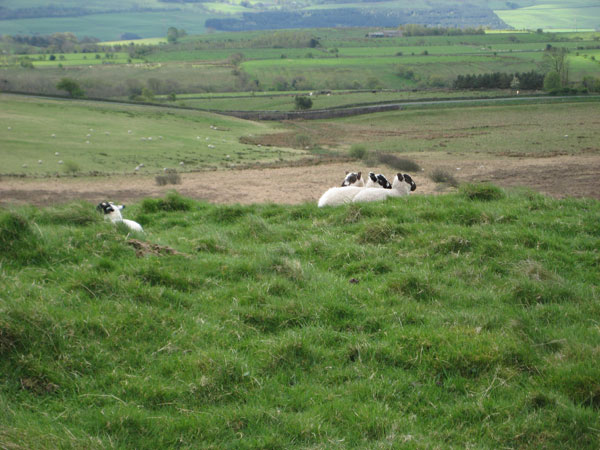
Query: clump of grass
70, 214
173, 201
303, 141
443, 176
395, 162
18, 241
71, 167
169, 177
358, 151
483, 192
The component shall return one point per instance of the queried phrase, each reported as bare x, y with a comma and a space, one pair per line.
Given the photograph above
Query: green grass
553, 15
95, 136
429, 322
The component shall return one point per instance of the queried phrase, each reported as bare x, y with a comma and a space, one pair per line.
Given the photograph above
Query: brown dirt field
559, 176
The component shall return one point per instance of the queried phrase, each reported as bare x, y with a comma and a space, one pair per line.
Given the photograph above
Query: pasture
93, 137
460, 320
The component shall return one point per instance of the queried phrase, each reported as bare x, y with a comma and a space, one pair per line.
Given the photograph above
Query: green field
284, 61
95, 138
463, 320
164, 137
554, 15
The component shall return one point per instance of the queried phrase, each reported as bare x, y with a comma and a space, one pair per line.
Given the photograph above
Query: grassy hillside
94, 137
111, 138
461, 320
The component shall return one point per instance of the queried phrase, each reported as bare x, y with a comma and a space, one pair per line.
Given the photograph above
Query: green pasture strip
146, 41
552, 16
110, 26
110, 80
561, 127
286, 102
344, 73
95, 137
426, 321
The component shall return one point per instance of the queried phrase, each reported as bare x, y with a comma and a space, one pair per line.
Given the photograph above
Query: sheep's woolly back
339, 195
401, 186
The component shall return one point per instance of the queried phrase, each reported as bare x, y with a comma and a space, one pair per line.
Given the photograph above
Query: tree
555, 59
71, 86
515, 83
173, 34
303, 102
552, 81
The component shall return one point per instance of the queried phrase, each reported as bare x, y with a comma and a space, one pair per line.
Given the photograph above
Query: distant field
146, 41
554, 16
109, 27
29, 123
276, 101
95, 137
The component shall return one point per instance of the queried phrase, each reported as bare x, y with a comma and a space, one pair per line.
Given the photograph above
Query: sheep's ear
400, 177
347, 172
358, 175
372, 176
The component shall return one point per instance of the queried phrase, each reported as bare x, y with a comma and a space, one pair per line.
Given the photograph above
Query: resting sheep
112, 212
351, 186
401, 186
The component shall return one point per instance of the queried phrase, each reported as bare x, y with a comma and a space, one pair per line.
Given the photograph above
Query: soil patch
558, 176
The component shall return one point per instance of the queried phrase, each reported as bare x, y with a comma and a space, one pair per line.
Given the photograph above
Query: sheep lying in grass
112, 212
351, 186
401, 186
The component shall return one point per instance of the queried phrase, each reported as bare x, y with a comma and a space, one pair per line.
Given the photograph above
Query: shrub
398, 163
358, 151
303, 141
71, 167
303, 102
170, 177
172, 202
483, 191
443, 176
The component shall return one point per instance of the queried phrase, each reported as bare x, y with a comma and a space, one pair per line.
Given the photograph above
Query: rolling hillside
110, 20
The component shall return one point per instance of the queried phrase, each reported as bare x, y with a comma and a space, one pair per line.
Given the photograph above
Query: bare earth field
559, 176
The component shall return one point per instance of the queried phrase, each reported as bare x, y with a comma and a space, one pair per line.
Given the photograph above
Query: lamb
351, 186
112, 212
401, 186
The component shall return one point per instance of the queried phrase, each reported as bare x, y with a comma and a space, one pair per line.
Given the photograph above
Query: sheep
112, 212
401, 186
351, 186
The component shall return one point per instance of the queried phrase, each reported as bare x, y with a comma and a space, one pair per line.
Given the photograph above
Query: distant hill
110, 19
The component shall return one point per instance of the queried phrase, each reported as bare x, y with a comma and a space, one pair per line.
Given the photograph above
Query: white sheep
353, 183
112, 212
401, 186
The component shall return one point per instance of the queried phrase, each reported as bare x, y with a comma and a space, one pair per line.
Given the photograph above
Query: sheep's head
410, 184
105, 207
409, 180
353, 178
383, 182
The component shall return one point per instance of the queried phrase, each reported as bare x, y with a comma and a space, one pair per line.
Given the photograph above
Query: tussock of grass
295, 327
443, 176
398, 163
483, 192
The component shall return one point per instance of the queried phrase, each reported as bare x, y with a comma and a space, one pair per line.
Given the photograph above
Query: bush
395, 162
172, 202
443, 176
483, 191
358, 151
170, 177
71, 167
303, 102
71, 86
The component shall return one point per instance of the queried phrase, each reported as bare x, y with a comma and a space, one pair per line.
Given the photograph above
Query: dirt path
559, 176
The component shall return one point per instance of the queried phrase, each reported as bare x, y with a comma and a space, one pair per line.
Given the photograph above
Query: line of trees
498, 80
412, 29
